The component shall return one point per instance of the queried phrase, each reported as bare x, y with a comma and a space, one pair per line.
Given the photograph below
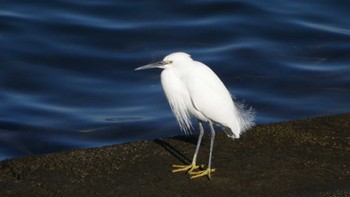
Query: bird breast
179, 98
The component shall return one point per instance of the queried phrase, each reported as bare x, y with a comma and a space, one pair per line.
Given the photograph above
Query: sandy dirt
296, 158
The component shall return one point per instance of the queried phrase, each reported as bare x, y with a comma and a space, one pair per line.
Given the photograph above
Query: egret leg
192, 166
209, 170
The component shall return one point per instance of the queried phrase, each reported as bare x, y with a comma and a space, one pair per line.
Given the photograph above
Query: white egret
193, 89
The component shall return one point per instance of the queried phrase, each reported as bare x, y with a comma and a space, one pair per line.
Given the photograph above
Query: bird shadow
173, 151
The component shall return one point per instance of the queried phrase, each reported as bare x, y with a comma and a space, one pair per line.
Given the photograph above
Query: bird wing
209, 95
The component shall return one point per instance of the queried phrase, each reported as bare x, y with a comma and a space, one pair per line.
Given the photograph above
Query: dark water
67, 78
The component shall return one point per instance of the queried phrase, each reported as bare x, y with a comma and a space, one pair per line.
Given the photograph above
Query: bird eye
170, 62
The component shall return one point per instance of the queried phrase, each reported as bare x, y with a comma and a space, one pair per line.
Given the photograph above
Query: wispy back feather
245, 116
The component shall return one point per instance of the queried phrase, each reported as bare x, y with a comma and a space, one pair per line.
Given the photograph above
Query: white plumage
193, 89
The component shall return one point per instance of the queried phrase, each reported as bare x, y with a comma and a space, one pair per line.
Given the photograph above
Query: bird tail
245, 117
228, 131
244, 121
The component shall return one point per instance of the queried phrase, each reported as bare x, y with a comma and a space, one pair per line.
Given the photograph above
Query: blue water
67, 76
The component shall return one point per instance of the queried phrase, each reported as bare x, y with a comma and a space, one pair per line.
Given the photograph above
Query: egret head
169, 60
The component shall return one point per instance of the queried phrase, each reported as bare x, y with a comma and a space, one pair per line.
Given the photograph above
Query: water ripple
67, 74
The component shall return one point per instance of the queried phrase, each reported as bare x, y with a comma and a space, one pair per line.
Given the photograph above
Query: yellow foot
201, 173
188, 168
